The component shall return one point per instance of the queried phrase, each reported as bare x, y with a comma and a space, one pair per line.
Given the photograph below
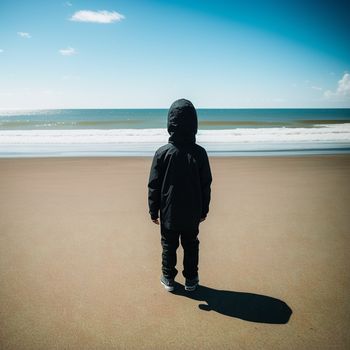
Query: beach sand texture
80, 258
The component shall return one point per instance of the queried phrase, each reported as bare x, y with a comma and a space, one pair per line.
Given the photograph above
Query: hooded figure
180, 176
182, 122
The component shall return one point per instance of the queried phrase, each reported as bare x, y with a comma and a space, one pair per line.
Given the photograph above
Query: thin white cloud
97, 16
68, 3
24, 35
343, 89
69, 51
344, 85
317, 88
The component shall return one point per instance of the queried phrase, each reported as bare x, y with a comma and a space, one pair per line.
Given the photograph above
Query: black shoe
168, 283
191, 284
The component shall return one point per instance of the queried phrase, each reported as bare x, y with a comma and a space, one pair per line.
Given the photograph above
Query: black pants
170, 243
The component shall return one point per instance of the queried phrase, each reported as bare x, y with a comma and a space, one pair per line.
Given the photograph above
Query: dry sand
80, 258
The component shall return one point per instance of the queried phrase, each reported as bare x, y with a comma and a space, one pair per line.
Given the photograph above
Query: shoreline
345, 155
150, 153
210, 155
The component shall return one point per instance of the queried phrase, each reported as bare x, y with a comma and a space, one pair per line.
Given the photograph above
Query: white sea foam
148, 140
324, 133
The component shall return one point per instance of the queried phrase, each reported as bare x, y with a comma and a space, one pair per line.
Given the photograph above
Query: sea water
139, 132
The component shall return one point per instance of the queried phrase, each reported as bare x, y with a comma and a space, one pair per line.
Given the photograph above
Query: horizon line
92, 108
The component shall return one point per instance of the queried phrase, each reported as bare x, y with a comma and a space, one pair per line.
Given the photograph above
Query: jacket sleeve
206, 179
154, 187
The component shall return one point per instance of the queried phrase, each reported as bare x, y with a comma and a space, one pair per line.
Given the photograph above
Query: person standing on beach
179, 194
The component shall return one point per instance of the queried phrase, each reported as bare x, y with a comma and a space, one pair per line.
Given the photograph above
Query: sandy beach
80, 258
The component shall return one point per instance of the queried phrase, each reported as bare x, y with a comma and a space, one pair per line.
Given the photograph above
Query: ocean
139, 132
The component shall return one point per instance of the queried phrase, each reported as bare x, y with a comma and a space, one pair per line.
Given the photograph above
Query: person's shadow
246, 306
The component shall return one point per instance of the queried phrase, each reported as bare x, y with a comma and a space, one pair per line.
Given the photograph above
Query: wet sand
80, 258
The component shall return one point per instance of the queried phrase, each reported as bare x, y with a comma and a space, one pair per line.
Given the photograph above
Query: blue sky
125, 54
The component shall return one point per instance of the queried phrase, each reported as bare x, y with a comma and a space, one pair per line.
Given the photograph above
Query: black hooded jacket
180, 176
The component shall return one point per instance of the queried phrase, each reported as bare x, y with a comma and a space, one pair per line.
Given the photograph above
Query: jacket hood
182, 122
